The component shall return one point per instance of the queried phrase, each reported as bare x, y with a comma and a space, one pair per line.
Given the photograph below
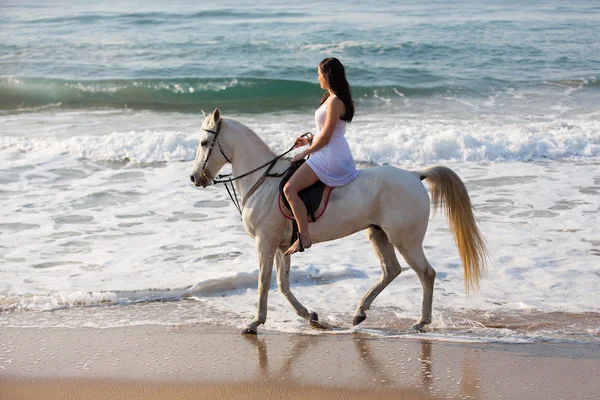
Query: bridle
212, 145
228, 177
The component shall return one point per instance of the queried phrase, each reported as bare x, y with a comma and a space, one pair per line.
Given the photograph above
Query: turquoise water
183, 55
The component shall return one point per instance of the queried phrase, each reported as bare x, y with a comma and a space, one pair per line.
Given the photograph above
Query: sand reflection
378, 363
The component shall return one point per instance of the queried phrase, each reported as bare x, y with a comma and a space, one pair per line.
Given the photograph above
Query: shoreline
198, 360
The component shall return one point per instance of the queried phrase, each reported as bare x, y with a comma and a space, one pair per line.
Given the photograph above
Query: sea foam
391, 141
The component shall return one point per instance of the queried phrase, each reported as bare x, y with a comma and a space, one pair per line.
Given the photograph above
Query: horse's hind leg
390, 270
419, 263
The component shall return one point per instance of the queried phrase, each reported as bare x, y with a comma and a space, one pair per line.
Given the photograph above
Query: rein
228, 177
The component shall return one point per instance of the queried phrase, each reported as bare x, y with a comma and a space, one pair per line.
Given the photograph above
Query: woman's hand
301, 141
298, 157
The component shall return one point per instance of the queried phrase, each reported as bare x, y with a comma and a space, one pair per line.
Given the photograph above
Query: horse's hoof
249, 331
314, 322
358, 319
417, 328
319, 325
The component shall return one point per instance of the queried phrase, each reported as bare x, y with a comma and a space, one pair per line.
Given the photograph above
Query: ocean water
99, 123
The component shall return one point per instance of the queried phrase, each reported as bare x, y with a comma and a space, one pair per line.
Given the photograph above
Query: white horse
390, 203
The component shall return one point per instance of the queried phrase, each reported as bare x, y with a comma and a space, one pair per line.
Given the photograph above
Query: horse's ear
205, 113
216, 115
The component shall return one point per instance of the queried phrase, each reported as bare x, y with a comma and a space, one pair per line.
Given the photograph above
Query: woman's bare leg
302, 178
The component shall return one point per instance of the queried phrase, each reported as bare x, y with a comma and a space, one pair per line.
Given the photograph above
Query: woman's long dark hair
334, 73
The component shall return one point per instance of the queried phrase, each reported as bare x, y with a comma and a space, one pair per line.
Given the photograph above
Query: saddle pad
317, 212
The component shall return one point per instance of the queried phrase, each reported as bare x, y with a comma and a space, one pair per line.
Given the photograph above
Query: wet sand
196, 361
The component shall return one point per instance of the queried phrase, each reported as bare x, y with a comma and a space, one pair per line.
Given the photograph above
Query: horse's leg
266, 253
390, 270
415, 257
283, 281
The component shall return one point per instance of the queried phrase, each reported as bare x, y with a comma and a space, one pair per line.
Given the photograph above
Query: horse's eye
204, 143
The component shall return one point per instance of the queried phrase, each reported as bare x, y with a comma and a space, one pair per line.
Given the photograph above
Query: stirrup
301, 247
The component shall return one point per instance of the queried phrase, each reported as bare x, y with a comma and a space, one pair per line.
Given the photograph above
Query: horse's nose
193, 178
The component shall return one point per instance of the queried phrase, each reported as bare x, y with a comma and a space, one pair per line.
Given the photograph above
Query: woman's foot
303, 242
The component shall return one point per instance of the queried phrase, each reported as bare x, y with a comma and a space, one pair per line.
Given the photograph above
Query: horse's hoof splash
314, 322
249, 331
417, 329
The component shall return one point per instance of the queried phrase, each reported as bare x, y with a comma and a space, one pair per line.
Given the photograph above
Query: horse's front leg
283, 281
266, 253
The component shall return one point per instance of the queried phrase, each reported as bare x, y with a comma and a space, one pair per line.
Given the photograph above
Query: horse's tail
450, 193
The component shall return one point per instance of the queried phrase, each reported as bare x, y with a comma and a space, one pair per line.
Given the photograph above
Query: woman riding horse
331, 161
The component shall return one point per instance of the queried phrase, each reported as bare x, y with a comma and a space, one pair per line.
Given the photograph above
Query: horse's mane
252, 135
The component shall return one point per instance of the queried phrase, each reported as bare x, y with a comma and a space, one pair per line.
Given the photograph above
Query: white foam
340, 47
390, 141
136, 146
55, 301
78, 233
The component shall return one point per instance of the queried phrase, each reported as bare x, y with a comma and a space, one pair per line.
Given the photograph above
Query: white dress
333, 164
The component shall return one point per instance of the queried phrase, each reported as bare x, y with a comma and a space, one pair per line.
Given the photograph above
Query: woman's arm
335, 109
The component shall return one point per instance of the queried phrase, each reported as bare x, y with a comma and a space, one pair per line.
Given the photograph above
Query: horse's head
211, 156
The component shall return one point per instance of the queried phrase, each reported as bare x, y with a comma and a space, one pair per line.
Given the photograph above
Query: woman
331, 161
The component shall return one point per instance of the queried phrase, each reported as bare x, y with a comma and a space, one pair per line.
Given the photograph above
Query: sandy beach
197, 361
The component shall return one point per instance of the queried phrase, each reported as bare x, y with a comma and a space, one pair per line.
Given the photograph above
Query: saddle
314, 197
